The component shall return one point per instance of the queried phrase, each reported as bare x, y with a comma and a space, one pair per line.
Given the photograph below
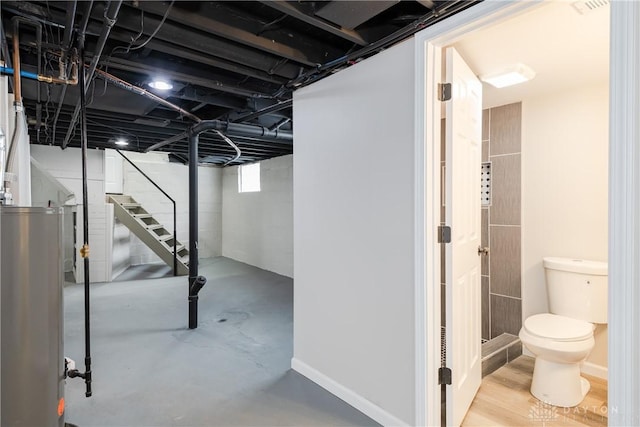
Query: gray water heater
31, 282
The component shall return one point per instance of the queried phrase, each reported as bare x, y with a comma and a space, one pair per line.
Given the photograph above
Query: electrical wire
133, 40
157, 29
130, 47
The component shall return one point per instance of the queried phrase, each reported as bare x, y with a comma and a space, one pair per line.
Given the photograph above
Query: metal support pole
193, 228
195, 282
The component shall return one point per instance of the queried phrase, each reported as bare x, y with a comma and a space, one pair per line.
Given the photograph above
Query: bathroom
546, 144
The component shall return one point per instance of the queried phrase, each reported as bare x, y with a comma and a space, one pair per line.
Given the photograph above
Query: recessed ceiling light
510, 76
161, 85
121, 141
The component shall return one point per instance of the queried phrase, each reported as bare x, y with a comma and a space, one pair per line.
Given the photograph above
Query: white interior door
463, 311
113, 172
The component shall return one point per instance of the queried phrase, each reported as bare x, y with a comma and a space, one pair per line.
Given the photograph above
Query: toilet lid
559, 328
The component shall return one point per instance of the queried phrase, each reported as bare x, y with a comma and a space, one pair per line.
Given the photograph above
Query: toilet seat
558, 328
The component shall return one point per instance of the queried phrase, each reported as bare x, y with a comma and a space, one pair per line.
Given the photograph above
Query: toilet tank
577, 288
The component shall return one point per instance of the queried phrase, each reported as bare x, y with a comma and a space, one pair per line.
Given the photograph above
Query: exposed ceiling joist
213, 18
350, 14
197, 40
234, 62
196, 77
304, 13
270, 109
191, 93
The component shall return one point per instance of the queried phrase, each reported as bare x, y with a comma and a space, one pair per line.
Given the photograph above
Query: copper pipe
17, 88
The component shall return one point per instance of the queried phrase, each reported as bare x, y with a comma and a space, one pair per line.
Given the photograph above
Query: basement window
249, 178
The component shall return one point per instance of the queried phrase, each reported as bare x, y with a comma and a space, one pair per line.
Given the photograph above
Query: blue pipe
9, 71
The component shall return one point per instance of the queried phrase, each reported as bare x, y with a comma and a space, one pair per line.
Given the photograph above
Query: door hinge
444, 234
444, 91
444, 376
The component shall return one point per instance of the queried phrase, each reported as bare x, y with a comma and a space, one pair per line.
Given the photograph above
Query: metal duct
233, 129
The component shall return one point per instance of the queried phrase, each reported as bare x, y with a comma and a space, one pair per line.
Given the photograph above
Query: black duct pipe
233, 129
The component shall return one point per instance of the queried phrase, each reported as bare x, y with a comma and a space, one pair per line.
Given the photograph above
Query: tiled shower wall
501, 227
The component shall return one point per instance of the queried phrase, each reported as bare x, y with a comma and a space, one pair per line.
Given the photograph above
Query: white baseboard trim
352, 398
594, 370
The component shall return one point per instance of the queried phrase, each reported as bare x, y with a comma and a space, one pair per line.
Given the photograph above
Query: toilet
562, 339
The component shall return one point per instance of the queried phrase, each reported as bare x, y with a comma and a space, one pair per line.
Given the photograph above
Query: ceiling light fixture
160, 85
510, 76
121, 141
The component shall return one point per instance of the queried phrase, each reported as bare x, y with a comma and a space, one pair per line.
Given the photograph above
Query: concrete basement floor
149, 369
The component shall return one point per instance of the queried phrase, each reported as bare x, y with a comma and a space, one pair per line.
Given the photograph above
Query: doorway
530, 296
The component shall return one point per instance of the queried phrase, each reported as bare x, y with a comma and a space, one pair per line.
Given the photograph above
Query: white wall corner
624, 215
598, 371
427, 250
363, 405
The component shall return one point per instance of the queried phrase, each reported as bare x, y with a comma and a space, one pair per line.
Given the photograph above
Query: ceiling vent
588, 6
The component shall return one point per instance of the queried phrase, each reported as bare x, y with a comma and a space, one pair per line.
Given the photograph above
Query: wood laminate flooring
504, 400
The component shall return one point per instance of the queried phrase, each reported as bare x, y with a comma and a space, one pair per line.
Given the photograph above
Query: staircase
149, 230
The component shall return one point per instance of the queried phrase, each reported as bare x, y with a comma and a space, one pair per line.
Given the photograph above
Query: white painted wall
18, 167
66, 167
48, 191
354, 234
258, 226
121, 249
174, 179
564, 188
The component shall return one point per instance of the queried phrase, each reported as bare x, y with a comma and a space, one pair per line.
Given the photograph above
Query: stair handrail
175, 237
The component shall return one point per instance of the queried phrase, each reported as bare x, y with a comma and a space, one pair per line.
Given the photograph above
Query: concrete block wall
173, 178
121, 250
100, 235
66, 167
258, 226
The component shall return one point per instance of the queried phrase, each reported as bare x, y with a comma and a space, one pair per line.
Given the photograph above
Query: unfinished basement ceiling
237, 62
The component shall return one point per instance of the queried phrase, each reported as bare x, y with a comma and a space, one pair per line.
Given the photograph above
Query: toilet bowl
560, 344
562, 339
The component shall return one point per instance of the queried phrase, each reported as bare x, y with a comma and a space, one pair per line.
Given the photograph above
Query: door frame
428, 50
624, 203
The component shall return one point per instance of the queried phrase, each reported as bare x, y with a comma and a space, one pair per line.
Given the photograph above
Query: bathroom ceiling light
160, 85
121, 141
510, 76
